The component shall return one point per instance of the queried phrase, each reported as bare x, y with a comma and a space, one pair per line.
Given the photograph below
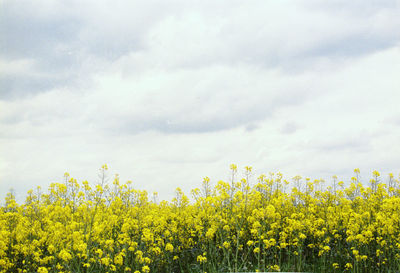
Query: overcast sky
168, 92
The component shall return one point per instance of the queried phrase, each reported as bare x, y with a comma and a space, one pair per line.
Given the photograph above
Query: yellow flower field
231, 226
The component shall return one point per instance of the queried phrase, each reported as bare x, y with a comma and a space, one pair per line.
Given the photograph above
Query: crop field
267, 225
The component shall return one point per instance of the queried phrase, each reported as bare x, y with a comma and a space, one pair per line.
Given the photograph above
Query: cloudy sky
168, 92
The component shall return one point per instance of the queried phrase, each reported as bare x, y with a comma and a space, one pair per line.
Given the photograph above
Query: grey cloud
354, 46
355, 8
27, 36
64, 46
334, 49
193, 123
17, 86
216, 123
48, 41
356, 143
393, 120
200, 116
289, 128
251, 127
57, 39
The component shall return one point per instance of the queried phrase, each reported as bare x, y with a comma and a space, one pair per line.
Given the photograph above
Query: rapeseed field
232, 226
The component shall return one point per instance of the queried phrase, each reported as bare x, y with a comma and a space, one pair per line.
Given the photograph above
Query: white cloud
169, 93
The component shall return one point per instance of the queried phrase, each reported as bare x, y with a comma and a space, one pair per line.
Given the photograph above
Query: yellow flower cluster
231, 226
